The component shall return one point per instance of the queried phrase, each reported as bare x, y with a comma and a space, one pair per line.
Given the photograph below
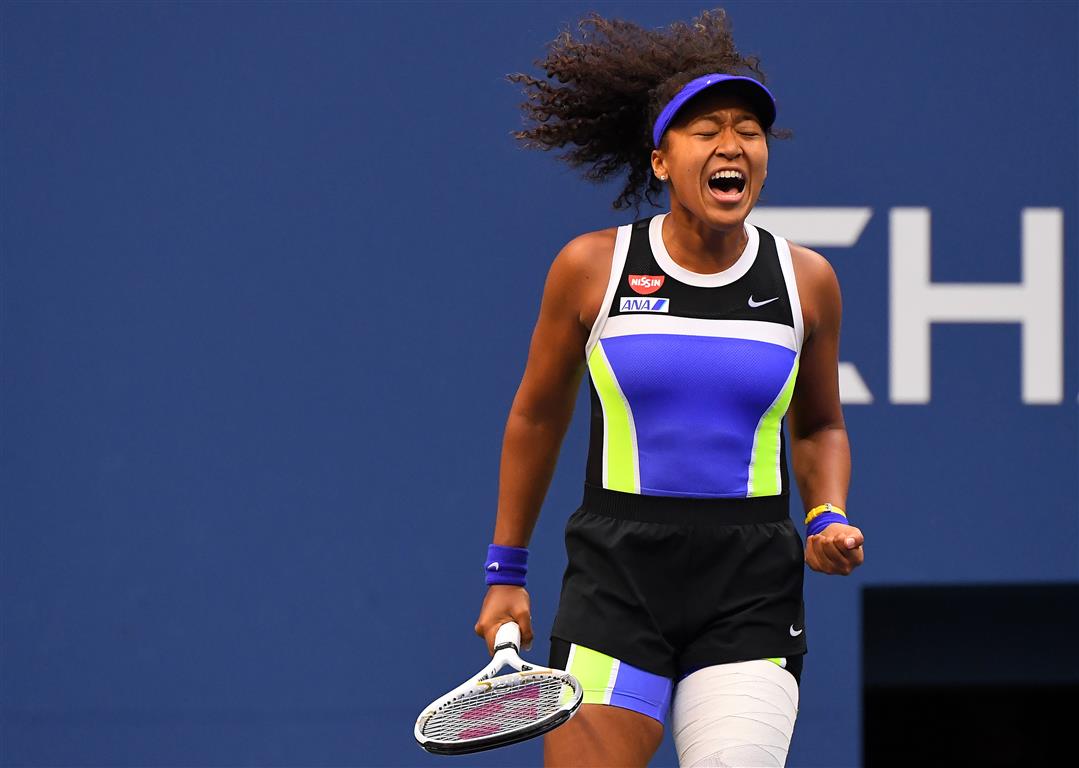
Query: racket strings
497, 710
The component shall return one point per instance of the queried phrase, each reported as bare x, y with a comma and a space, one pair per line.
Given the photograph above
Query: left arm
820, 451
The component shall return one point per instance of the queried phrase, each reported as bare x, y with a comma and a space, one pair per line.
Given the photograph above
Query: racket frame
506, 650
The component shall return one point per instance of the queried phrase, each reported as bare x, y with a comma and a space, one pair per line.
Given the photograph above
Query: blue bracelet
822, 521
506, 565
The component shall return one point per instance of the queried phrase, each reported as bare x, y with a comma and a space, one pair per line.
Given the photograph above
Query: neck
697, 246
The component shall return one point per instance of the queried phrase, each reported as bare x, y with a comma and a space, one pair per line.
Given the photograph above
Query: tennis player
700, 334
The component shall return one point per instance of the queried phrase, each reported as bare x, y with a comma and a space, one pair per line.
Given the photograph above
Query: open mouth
727, 185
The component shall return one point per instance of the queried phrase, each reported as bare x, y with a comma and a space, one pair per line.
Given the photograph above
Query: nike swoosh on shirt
795, 634
756, 304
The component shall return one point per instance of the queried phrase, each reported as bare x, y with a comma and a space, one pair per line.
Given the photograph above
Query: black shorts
671, 585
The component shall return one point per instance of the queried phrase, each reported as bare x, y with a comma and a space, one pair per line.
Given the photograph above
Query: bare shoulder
818, 287
810, 268
581, 270
587, 254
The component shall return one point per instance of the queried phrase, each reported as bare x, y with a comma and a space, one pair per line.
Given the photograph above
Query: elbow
834, 428
545, 413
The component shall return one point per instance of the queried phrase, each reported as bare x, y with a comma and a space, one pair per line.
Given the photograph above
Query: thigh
601, 735
735, 714
620, 722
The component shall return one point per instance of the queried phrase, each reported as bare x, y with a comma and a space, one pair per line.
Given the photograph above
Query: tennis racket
492, 711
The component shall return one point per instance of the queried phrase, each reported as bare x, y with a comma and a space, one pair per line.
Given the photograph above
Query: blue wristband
822, 521
506, 565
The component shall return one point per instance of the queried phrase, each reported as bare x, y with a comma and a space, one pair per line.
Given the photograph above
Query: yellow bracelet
818, 511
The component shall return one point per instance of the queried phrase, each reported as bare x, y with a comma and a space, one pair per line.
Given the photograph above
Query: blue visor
764, 104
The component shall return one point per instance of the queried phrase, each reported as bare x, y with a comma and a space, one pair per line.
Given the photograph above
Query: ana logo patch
646, 284
637, 304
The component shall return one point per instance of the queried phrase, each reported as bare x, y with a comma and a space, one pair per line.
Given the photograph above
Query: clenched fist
505, 603
836, 549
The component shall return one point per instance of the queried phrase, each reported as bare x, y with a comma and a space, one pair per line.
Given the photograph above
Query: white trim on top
618, 263
683, 275
787, 265
754, 330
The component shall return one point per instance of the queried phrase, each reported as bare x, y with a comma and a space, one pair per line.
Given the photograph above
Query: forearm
822, 466
529, 455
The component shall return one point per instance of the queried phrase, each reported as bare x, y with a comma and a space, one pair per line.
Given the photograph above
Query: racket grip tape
508, 636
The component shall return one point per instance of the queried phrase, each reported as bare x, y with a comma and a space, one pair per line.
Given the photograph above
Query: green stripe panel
593, 670
620, 466
764, 465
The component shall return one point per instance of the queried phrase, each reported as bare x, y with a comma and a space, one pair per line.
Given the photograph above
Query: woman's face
715, 156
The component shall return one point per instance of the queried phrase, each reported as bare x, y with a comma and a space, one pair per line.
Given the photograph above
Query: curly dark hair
612, 83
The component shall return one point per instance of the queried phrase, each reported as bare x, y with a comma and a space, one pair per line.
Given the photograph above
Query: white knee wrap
735, 715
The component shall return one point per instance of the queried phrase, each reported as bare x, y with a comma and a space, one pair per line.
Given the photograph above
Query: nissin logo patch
641, 304
646, 283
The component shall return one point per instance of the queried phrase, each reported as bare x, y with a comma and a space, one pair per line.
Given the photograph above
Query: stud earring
662, 178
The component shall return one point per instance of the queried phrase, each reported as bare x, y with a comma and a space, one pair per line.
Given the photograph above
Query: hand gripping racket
492, 711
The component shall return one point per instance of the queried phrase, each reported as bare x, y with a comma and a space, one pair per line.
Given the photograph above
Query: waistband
685, 511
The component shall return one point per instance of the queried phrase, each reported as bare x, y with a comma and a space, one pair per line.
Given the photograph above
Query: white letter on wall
1036, 304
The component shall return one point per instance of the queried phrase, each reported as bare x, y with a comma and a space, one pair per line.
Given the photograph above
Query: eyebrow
744, 115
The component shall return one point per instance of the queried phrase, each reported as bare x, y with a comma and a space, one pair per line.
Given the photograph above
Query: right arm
542, 410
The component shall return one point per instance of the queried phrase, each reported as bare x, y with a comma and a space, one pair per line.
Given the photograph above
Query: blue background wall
269, 274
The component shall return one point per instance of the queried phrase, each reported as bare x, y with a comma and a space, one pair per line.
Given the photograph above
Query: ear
659, 165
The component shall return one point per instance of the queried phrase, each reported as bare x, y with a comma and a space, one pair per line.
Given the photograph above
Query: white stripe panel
618, 263
611, 680
569, 659
785, 262
754, 330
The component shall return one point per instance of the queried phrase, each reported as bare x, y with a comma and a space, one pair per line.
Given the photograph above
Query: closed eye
748, 127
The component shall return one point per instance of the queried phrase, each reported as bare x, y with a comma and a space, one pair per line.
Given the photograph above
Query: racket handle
508, 635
